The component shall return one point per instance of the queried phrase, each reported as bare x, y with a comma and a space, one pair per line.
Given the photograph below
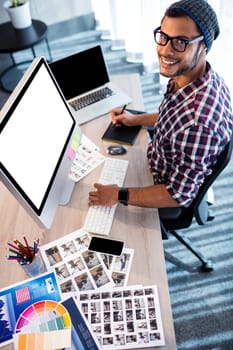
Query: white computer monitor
38, 140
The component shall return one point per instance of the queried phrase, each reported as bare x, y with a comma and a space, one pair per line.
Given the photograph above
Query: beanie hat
204, 17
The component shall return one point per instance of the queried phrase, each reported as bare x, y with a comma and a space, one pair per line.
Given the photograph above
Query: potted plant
16, 3
19, 13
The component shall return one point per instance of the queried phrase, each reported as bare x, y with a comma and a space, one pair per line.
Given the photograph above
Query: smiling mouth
168, 61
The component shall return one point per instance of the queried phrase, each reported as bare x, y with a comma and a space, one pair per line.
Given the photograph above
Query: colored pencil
23, 252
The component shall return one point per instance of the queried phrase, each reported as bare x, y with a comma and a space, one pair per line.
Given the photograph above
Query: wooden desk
138, 227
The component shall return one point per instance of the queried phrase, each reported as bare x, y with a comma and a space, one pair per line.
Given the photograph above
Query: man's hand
105, 195
125, 118
129, 119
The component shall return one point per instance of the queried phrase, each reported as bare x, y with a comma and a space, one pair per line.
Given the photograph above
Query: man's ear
204, 48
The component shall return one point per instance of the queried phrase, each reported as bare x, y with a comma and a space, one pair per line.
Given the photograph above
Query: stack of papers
78, 269
86, 159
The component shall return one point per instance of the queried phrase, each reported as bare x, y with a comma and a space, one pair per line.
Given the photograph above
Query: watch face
123, 196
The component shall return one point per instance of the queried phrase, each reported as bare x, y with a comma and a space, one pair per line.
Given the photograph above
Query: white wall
53, 11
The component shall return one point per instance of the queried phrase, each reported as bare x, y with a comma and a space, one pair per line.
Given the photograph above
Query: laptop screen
81, 72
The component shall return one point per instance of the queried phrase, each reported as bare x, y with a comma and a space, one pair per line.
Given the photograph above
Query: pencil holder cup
35, 268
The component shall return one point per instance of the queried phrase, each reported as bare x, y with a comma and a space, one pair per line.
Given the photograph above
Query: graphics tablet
122, 134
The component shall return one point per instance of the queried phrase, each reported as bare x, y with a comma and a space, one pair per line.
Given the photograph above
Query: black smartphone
106, 246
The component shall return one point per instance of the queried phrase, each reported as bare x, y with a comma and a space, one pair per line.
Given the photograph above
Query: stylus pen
124, 107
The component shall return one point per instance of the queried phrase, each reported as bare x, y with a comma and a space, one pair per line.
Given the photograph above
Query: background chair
173, 219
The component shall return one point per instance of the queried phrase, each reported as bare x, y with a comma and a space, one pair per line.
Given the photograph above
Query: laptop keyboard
91, 98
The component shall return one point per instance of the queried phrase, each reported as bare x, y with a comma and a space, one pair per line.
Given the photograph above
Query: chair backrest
181, 217
222, 161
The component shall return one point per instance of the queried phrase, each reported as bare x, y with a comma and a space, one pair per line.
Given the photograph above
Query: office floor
201, 303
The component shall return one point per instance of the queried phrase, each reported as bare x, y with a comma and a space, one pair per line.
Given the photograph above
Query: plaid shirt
194, 125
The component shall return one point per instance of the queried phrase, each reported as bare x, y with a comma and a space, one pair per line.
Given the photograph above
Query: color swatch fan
43, 325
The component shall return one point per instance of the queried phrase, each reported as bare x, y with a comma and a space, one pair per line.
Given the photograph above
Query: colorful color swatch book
15, 299
43, 325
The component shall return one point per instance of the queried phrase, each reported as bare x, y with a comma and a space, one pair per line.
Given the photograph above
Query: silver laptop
85, 83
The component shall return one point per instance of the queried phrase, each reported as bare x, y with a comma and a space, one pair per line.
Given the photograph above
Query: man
194, 121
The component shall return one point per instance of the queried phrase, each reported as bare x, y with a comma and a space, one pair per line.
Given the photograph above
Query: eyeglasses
178, 43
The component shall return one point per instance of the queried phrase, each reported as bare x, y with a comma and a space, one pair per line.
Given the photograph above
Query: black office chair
173, 219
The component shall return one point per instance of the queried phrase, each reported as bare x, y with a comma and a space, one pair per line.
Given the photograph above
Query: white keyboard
99, 218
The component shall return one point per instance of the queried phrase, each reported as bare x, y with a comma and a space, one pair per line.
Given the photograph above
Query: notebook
83, 77
122, 134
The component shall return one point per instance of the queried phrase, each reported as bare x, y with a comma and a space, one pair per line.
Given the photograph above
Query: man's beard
187, 68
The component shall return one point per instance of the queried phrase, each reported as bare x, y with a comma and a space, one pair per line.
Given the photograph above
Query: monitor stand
67, 192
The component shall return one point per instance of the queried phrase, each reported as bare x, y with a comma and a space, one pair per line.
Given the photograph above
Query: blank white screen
34, 136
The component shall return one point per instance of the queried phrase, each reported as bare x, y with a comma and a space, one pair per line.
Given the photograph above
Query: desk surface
18, 39
138, 227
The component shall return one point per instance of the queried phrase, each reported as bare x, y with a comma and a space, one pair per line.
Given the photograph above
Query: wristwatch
123, 195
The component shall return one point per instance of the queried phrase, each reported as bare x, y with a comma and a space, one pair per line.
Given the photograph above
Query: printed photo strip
126, 318
78, 269
86, 159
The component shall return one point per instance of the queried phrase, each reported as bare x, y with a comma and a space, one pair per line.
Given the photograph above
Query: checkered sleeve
195, 149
